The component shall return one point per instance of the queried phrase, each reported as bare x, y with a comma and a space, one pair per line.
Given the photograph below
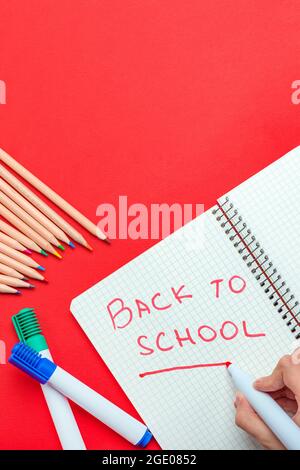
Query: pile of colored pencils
28, 224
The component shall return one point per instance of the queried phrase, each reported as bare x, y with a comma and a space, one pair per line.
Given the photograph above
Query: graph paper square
186, 409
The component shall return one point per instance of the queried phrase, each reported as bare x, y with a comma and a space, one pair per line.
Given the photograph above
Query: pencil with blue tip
21, 268
28, 261
28, 231
14, 282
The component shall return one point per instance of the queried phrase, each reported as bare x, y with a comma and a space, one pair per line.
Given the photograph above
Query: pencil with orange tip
4, 269
8, 290
28, 231
24, 259
14, 244
21, 238
34, 212
52, 195
21, 268
28, 220
14, 282
44, 208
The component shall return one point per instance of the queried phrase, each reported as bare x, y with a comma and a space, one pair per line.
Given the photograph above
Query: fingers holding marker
248, 420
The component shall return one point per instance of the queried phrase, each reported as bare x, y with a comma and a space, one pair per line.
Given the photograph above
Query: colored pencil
25, 270
44, 208
14, 282
20, 237
52, 195
33, 212
14, 244
28, 231
24, 259
28, 220
4, 269
8, 290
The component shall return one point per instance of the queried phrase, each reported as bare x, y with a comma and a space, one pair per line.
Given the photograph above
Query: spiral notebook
223, 288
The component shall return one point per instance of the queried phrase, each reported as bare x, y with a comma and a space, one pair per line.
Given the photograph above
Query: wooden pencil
21, 268
9, 241
24, 259
4, 269
8, 290
33, 211
20, 237
28, 231
52, 195
28, 220
14, 282
44, 208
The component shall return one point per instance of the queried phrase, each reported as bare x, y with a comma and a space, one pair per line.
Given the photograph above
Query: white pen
46, 372
270, 412
28, 330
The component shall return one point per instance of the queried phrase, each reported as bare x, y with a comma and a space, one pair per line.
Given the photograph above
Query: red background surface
163, 101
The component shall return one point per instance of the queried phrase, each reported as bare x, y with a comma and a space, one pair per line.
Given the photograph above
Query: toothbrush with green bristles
29, 332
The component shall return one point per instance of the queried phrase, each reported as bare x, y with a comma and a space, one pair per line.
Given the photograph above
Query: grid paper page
185, 409
269, 203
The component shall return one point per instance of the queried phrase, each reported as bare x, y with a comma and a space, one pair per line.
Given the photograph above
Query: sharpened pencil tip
89, 247
31, 286
71, 244
57, 255
107, 240
61, 247
25, 279
18, 292
45, 280
228, 364
28, 252
41, 268
43, 252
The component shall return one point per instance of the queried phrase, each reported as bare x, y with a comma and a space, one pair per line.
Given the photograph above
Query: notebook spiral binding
259, 263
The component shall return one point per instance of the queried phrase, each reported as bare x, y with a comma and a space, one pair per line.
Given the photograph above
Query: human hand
284, 386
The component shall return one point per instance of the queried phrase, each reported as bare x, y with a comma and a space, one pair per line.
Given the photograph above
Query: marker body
98, 406
62, 416
46, 371
271, 413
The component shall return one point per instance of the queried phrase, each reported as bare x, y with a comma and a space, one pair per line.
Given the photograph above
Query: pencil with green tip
28, 231
21, 268
29, 332
44, 208
30, 221
34, 212
21, 238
